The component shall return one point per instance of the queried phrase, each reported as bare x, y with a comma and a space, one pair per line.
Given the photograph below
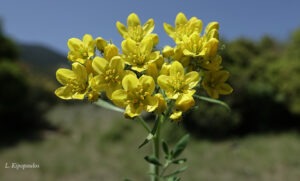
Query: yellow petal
121, 29
212, 47
221, 76
79, 96
74, 44
212, 26
164, 83
110, 51
192, 79
130, 82
165, 69
80, 71
133, 20
225, 89
169, 29
119, 98
131, 111
64, 75
152, 70
212, 93
147, 83
87, 38
101, 43
64, 92
152, 103
146, 45
176, 69
99, 65
168, 51
128, 46
154, 38
117, 63
176, 116
180, 19
148, 26
184, 102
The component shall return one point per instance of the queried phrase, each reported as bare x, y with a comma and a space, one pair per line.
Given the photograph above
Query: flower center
76, 86
136, 33
111, 76
137, 96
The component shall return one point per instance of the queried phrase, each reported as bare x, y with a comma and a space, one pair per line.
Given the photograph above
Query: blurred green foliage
22, 103
265, 76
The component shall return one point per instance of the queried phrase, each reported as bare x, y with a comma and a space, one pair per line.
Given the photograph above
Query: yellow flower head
195, 46
135, 30
136, 95
75, 82
212, 64
183, 27
109, 74
177, 82
81, 51
139, 56
214, 83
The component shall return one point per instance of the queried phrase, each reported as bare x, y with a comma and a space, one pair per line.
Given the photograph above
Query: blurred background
74, 140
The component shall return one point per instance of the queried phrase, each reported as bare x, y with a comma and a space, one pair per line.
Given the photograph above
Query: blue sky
53, 22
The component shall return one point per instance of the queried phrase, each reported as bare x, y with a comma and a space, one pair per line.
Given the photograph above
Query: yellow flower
212, 64
183, 27
182, 104
214, 83
109, 74
81, 51
135, 31
195, 46
75, 82
139, 56
177, 82
136, 95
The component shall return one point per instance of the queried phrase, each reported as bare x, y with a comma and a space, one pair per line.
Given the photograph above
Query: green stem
156, 150
144, 124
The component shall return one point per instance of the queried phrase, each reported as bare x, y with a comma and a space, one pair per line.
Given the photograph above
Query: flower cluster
139, 77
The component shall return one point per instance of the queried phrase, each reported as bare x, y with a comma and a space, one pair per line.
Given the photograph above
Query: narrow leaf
179, 161
109, 106
180, 146
150, 135
152, 159
215, 101
176, 172
165, 148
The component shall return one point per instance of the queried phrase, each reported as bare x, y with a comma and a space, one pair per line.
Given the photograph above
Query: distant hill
42, 60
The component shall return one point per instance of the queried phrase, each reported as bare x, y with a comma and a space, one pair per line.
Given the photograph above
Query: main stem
156, 150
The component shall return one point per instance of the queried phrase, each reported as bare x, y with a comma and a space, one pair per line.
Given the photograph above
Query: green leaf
180, 146
215, 101
109, 106
150, 135
179, 161
176, 172
152, 159
148, 138
126, 179
165, 147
